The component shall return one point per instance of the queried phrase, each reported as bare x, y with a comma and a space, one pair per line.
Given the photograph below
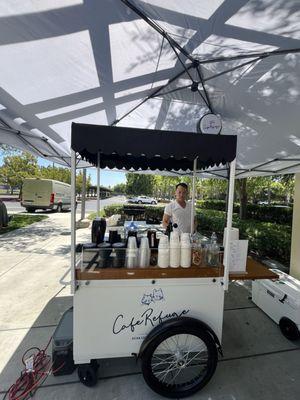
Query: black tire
153, 202
87, 374
176, 364
59, 208
139, 202
30, 210
289, 329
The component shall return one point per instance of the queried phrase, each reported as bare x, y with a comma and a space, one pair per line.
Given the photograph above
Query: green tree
79, 179
265, 188
288, 184
7, 150
58, 173
16, 168
120, 188
139, 184
212, 188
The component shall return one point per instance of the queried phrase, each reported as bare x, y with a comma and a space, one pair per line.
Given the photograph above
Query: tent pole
98, 184
83, 193
73, 219
193, 196
229, 222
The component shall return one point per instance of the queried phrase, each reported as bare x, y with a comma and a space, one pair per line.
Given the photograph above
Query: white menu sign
238, 255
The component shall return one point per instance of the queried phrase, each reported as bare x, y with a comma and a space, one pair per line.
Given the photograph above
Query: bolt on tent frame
120, 312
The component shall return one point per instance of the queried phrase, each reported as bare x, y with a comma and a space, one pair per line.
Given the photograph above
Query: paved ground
14, 206
258, 363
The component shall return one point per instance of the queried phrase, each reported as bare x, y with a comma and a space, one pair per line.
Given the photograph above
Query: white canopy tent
157, 65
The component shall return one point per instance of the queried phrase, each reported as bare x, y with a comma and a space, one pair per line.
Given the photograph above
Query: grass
19, 221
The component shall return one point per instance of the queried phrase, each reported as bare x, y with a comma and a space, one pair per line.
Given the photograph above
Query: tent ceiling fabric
132, 64
150, 149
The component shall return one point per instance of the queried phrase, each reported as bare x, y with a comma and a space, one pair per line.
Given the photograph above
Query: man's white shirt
180, 216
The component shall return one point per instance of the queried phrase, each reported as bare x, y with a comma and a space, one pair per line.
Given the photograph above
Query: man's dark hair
183, 185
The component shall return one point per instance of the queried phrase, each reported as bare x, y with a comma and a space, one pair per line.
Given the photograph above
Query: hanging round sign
210, 123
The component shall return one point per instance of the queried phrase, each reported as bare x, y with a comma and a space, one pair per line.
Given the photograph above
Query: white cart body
112, 317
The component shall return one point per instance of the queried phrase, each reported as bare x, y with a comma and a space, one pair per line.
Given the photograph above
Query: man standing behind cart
179, 211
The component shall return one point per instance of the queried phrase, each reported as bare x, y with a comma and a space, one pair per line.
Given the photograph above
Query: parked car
142, 200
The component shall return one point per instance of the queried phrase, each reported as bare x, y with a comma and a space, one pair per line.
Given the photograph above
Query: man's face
181, 193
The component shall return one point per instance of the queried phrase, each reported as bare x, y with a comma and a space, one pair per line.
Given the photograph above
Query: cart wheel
179, 361
87, 374
289, 329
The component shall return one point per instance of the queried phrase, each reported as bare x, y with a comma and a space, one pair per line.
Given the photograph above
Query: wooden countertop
254, 270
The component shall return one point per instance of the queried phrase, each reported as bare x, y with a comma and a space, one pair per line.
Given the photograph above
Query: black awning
150, 149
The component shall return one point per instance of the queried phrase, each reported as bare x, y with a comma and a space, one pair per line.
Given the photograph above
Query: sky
107, 178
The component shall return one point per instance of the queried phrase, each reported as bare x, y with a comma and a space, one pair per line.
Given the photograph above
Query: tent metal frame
196, 63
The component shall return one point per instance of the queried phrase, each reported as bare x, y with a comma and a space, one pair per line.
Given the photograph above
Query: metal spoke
165, 372
185, 359
167, 347
161, 359
191, 360
174, 341
166, 361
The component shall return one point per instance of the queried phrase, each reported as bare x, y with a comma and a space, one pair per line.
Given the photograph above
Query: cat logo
156, 295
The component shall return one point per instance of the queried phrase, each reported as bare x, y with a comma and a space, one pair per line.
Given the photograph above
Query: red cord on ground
29, 381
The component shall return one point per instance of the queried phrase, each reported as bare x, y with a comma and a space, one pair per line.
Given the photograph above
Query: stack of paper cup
174, 250
131, 252
144, 253
186, 251
163, 252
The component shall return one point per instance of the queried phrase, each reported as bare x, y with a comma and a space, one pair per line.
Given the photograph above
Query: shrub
219, 205
280, 215
113, 209
267, 239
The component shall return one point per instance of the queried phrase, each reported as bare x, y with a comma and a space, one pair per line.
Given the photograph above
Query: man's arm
166, 220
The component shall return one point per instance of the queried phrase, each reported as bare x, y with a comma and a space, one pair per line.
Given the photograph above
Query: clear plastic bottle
212, 254
213, 238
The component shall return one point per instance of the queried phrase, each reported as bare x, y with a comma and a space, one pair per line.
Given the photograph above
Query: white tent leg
295, 250
73, 219
193, 197
83, 193
98, 185
229, 222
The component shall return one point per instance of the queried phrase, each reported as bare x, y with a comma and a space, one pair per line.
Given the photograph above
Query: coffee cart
171, 319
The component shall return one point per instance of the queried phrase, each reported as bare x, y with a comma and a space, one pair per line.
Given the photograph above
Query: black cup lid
119, 245
104, 245
89, 245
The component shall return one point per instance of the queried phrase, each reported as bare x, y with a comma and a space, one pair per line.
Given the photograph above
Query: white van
45, 194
